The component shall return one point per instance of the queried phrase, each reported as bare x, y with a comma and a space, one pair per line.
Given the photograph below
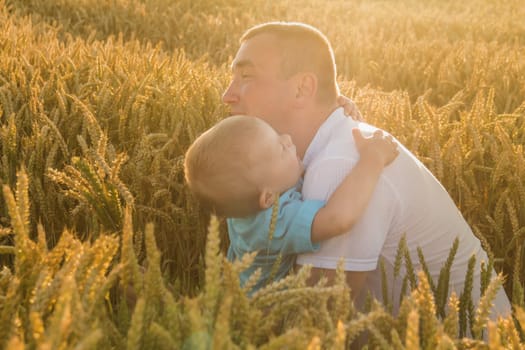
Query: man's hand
380, 147
350, 108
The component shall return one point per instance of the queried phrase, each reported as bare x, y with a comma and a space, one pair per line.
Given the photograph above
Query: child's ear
266, 199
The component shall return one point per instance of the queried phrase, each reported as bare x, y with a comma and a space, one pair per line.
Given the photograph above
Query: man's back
408, 201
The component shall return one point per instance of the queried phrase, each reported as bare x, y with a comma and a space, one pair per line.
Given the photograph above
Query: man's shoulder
336, 142
337, 146
330, 137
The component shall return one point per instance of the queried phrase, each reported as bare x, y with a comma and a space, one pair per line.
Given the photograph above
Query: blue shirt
292, 235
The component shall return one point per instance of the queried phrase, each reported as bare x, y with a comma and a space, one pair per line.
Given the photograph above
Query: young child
241, 166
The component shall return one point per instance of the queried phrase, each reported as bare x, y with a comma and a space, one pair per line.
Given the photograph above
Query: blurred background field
100, 99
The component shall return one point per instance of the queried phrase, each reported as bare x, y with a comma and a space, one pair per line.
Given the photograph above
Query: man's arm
355, 279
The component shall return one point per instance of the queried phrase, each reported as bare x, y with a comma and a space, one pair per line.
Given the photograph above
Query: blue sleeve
293, 231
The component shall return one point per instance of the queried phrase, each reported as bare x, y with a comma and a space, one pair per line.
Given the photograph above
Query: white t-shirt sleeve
360, 247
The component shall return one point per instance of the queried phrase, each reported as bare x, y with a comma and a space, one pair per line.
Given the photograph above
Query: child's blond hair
216, 164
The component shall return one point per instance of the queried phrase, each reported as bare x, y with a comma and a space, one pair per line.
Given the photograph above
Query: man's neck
308, 124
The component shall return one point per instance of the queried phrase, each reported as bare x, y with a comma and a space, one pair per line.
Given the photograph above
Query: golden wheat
111, 94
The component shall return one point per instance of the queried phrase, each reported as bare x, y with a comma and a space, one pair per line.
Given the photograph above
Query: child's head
240, 165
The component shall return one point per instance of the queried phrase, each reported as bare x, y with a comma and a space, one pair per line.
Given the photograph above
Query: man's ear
266, 199
306, 86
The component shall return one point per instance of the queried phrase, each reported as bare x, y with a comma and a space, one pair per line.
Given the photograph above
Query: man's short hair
216, 166
304, 49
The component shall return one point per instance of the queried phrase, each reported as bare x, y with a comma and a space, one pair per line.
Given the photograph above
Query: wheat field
101, 244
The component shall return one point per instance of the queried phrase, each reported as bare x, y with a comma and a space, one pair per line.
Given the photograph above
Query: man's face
257, 87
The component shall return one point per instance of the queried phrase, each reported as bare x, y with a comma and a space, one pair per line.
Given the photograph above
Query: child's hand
349, 107
381, 147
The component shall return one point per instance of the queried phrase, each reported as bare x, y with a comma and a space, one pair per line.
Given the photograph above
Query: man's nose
230, 95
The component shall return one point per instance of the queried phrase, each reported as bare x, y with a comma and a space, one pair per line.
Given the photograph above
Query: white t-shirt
408, 200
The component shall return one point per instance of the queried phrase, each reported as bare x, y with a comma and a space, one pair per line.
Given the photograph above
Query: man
285, 74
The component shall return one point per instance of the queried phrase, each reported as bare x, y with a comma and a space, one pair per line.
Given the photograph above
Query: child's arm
354, 193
